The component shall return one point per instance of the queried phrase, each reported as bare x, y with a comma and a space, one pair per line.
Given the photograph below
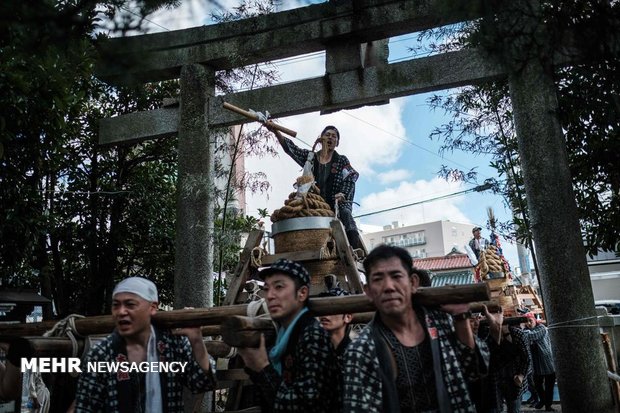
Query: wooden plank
243, 267
346, 256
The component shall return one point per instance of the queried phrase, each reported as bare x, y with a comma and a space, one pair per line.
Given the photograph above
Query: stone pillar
564, 277
193, 279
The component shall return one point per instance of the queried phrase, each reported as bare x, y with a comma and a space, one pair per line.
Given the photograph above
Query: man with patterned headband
333, 174
136, 341
300, 372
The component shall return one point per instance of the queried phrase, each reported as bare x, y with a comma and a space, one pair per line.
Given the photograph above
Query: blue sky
389, 145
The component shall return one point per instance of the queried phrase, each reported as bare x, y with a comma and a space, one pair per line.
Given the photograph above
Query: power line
406, 141
144, 18
479, 188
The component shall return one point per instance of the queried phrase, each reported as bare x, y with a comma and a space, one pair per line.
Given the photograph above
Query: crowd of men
409, 358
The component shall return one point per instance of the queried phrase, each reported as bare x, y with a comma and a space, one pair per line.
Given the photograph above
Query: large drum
310, 233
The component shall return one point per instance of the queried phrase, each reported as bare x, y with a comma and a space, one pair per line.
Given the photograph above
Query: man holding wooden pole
300, 372
410, 357
333, 174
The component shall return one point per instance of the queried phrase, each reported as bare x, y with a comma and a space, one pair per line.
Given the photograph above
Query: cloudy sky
389, 146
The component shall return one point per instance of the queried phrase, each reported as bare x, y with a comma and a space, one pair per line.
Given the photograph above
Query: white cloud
412, 192
393, 175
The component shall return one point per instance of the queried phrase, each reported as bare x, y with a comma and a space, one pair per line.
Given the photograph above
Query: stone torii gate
357, 73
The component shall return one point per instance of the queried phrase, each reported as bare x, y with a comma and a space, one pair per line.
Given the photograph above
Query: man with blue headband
300, 373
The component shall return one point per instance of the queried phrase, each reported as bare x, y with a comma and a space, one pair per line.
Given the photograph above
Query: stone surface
289, 33
193, 280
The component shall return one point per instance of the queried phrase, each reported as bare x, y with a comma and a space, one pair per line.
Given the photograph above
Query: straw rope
256, 257
309, 205
328, 250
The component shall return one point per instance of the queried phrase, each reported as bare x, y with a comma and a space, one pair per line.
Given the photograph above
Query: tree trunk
561, 257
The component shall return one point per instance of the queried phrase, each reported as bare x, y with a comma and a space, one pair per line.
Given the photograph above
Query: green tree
77, 217
481, 116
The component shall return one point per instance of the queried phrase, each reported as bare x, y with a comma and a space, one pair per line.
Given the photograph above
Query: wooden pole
62, 347
427, 296
44, 346
252, 116
611, 366
241, 331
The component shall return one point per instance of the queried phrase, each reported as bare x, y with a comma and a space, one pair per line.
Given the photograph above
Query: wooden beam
346, 256
216, 315
160, 56
63, 347
240, 275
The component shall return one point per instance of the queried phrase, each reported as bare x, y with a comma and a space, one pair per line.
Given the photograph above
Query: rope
35, 387
308, 205
66, 327
326, 252
568, 323
254, 308
261, 304
256, 257
261, 117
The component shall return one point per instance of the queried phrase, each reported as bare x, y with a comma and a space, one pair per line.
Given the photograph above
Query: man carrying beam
300, 373
337, 325
410, 357
136, 342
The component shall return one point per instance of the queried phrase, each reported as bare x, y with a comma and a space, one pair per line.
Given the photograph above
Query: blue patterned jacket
542, 356
310, 379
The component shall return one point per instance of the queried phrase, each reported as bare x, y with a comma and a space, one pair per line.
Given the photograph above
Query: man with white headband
136, 342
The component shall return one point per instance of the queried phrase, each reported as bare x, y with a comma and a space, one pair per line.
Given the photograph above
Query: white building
431, 239
604, 270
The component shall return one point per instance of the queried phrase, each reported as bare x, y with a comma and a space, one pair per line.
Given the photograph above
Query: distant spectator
424, 276
509, 368
542, 361
477, 243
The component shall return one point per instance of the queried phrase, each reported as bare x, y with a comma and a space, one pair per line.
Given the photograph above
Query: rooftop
448, 262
